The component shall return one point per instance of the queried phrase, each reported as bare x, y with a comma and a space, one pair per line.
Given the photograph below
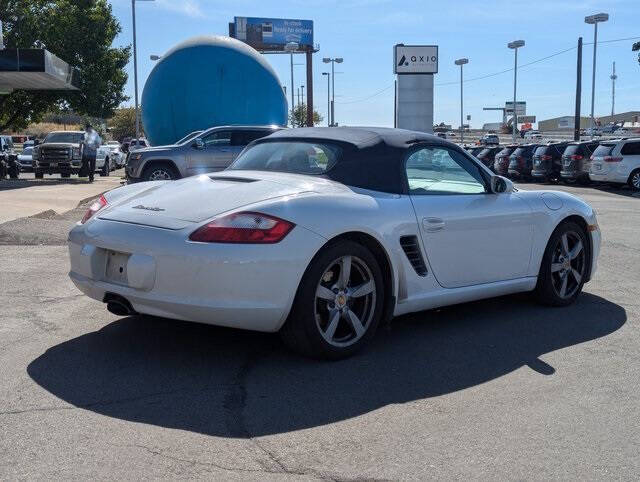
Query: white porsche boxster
322, 233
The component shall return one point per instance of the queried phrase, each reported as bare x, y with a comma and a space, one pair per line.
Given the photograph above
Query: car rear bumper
241, 286
540, 174
573, 174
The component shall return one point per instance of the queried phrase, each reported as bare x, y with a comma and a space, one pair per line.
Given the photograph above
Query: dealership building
567, 122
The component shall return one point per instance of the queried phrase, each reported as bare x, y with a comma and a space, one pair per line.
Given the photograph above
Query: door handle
432, 224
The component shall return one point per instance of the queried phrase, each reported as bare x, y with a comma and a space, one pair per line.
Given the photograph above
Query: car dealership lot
497, 389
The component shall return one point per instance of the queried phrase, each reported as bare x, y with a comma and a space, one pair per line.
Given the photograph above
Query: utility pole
576, 121
613, 90
135, 70
302, 93
309, 88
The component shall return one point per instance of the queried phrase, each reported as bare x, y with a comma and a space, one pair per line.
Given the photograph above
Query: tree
298, 118
123, 123
80, 32
636, 48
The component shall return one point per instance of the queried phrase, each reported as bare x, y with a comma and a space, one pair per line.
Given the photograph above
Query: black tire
159, 171
65, 174
634, 180
584, 180
302, 330
13, 171
39, 174
555, 263
105, 168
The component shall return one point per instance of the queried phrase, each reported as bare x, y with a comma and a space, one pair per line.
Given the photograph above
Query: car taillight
545, 157
612, 159
94, 208
244, 228
576, 157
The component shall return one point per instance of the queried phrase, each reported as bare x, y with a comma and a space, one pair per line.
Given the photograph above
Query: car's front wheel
564, 265
159, 172
634, 180
338, 305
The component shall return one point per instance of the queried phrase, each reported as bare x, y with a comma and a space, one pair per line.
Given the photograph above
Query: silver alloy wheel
160, 174
345, 301
568, 264
635, 180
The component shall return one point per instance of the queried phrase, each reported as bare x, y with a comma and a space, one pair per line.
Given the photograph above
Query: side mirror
198, 143
501, 185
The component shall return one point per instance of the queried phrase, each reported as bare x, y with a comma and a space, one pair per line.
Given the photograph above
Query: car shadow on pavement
11, 184
233, 383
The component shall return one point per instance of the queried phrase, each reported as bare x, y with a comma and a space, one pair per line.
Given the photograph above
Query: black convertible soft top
373, 157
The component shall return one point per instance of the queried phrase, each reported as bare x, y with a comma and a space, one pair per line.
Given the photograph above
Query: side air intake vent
412, 250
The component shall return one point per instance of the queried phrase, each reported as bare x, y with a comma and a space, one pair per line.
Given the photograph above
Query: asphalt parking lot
497, 389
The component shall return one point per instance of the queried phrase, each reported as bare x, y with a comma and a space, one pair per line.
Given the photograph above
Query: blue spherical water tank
210, 81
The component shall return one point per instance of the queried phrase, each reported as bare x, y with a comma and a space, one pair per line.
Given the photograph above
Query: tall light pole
291, 47
594, 20
302, 93
515, 45
613, 78
461, 62
328, 98
135, 66
333, 61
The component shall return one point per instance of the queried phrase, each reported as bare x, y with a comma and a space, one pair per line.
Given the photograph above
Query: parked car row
616, 161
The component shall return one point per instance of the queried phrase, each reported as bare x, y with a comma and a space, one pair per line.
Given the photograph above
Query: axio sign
415, 66
415, 59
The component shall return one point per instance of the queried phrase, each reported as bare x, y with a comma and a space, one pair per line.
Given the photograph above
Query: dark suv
501, 161
521, 161
547, 161
575, 161
488, 155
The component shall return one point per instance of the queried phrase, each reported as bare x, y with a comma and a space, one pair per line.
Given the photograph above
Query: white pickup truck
61, 153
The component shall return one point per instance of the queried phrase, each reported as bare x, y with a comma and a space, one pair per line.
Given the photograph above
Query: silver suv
210, 150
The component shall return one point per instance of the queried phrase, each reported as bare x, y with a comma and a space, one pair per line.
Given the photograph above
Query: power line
486, 76
369, 97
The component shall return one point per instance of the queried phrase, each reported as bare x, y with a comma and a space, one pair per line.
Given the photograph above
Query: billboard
273, 33
521, 107
415, 59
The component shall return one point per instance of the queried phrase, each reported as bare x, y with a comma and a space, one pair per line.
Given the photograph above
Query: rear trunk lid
177, 204
599, 164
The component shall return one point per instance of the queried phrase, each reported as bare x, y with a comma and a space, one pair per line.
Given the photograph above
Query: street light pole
292, 47
613, 90
135, 67
333, 61
328, 98
333, 94
515, 45
594, 19
461, 62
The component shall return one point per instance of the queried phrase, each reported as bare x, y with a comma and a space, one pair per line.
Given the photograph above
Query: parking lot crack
234, 404
159, 453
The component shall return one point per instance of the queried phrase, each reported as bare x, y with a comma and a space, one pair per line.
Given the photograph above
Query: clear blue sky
364, 32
